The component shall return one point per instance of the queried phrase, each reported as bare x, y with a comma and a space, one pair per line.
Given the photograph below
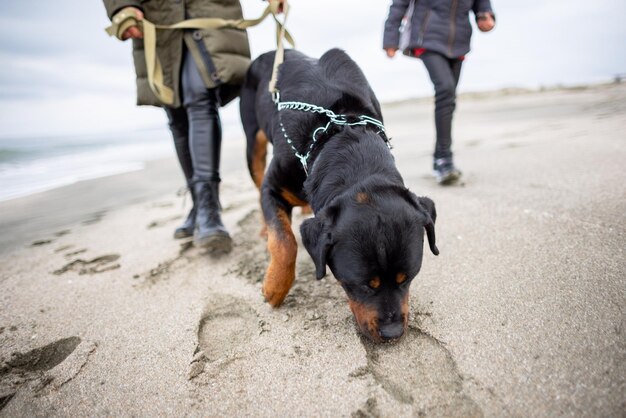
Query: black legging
444, 73
196, 126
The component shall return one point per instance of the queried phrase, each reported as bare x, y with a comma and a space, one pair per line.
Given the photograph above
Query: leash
333, 118
126, 18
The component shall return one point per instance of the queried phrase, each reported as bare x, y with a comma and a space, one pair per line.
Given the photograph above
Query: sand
522, 314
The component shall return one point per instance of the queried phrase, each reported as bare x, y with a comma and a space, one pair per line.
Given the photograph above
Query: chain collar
333, 119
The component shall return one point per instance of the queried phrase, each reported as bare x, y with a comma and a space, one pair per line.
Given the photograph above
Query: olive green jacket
222, 55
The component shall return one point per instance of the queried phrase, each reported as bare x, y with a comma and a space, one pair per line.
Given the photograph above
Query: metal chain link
341, 120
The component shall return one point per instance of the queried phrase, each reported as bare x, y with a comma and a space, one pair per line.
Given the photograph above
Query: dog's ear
431, 217
317, 236
427, 208
317, 241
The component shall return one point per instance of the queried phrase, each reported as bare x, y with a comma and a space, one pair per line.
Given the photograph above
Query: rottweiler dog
368, 227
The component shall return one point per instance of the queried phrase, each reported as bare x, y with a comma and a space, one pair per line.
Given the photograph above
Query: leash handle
279, 57
122, 20
126, 18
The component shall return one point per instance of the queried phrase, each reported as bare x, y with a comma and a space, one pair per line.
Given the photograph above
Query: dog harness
333, 119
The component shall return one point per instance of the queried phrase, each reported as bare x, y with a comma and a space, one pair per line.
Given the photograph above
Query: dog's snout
391, 331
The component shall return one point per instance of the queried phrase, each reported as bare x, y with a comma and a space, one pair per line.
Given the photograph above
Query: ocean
36, 164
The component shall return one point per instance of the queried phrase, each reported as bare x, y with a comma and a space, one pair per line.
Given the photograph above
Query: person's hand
134, 31
485, 22
280, 7
391, 52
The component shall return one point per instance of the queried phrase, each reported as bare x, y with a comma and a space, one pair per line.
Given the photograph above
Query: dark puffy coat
228, 49
437, 25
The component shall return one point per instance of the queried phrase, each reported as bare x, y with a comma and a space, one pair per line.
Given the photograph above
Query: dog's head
373, 243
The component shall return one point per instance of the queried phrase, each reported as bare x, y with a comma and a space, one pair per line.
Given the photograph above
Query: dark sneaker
445, 172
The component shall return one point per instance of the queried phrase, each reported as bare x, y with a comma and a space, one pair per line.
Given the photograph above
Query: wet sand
24, 220
103, 313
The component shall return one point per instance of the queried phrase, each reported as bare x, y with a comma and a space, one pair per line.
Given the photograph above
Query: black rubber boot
210, 232
187, 228
205, 141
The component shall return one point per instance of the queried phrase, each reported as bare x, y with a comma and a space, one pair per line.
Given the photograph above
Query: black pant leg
444, 74
205, 130
179, 126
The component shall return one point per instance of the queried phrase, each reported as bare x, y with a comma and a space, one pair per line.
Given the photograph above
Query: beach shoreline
520, 314
39, 217
27, 219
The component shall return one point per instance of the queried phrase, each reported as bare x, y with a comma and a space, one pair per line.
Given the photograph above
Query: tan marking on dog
404, 308
281, 271
400, 278
367, 319
291, 198
362, 197
375, 283
263, 231
306, 210
259, 155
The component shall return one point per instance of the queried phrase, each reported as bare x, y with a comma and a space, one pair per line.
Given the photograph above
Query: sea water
35, 164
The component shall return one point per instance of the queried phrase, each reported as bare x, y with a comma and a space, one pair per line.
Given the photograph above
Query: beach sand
522, 313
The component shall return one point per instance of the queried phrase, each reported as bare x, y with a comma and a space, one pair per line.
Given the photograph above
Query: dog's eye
401, 278
374, 283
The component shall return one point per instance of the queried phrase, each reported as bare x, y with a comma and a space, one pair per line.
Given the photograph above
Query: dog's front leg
281, 244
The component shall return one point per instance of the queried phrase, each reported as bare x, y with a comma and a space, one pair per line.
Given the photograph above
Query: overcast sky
62, 75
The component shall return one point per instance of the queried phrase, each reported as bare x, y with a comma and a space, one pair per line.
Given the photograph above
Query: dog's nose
391, 331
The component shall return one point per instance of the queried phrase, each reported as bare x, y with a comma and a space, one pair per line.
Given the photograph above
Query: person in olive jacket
438, 32
205, 69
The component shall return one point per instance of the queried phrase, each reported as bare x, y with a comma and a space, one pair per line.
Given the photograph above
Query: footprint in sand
95, 265
369, 410
162, 270
428, 379
94, 218
22, 368
75, 252
63, 248
251, 256
41, 242
47, 241
42, 358
162, 222
224, 332
5, 398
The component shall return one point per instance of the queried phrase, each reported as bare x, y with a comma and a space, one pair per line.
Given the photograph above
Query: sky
61, 75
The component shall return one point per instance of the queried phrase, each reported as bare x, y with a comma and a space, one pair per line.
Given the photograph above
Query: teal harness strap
333, 118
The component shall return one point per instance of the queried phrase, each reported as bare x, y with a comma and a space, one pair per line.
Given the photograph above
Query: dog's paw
276, 287
274, 296
279, 276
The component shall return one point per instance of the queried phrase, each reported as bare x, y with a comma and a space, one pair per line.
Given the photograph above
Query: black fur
367, 224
